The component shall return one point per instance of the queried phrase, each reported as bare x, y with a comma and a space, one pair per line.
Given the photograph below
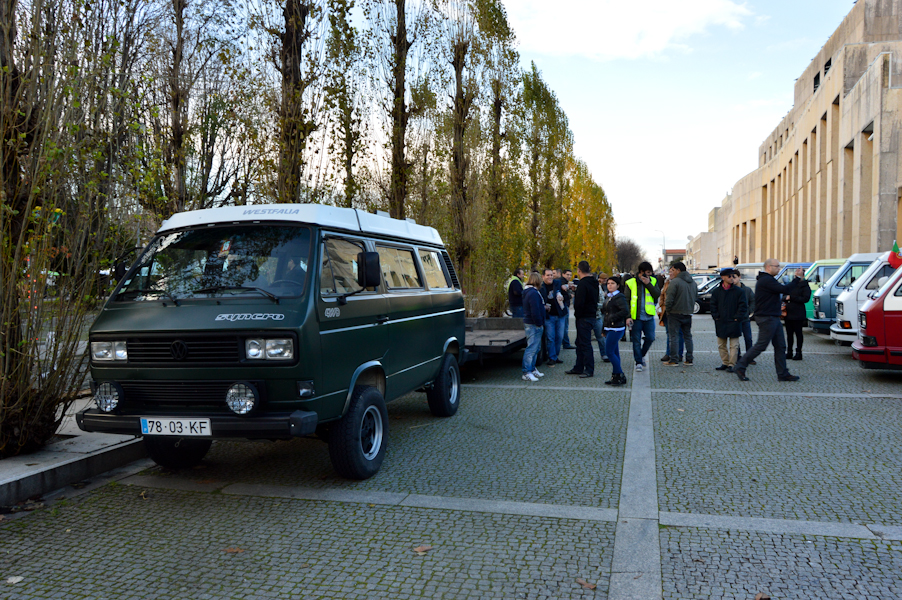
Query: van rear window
398, 268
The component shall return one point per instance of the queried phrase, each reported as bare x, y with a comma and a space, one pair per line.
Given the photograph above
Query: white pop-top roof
349, 219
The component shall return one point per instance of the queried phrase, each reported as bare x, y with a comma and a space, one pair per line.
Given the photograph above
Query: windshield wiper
222, 288
149, 291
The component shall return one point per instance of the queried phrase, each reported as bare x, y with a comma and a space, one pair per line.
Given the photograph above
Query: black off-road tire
444, 397
176, 453
357, 442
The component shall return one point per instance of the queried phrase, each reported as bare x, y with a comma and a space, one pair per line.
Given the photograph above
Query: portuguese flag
895, 257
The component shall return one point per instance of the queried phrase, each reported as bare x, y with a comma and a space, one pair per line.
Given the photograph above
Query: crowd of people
609, 307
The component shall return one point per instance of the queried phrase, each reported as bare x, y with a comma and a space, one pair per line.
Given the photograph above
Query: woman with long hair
615, 313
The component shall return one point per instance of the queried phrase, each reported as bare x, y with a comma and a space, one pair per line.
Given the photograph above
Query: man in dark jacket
679, 306
554, 316
728, 308
746, 323
585, 303
768, 301
515, 293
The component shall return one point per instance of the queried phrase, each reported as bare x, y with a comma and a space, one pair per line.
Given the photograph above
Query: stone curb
68, 468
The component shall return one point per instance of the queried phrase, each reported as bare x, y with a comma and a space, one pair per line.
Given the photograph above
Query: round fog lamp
241, 398
107, 396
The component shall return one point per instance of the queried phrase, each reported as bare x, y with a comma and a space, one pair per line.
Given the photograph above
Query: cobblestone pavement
686, 483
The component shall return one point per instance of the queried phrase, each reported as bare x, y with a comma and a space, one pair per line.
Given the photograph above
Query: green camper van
273, 322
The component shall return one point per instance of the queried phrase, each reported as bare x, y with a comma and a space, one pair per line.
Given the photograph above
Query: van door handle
382, 319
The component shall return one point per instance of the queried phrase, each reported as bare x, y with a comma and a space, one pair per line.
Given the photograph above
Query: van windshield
268, 260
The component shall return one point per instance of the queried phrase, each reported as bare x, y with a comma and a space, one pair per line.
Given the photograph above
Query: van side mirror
369, 274
123, 262
881, 281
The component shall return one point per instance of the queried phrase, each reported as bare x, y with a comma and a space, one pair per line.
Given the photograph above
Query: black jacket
585, 301
616, 310
769, 294
795, 306
729, 309
549, 296
749, 299
515, 293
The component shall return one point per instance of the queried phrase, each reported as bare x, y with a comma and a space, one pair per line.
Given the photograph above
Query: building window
827, 66
817, 81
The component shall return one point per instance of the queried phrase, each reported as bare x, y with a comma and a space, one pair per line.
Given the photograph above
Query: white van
850, 300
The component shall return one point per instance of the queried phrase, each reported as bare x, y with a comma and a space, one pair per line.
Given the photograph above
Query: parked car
851, 299
879, 343
701, 279
703, 300
824, 299
274, 322
818, 274
787, 271
748, 272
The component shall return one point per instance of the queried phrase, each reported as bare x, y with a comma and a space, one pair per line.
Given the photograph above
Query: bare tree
629, 255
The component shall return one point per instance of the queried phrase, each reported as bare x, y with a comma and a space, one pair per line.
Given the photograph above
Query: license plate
181, 427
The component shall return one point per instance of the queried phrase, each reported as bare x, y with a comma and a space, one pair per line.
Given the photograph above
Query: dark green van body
185, 353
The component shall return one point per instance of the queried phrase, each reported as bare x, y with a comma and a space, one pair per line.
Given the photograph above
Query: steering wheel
292, 281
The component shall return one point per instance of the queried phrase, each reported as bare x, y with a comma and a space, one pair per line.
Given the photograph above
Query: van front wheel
357, 442
176, 453
444, 397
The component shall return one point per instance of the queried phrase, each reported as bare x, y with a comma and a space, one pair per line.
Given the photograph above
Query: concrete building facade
829, 181
701, 252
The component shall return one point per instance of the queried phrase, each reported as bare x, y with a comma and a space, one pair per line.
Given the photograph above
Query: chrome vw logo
179, 350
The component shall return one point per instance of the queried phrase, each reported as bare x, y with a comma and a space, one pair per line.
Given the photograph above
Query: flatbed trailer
493, 336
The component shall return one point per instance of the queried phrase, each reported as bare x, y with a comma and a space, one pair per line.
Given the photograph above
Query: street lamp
663, 245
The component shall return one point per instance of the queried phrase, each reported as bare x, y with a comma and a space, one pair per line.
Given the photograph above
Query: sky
669, 100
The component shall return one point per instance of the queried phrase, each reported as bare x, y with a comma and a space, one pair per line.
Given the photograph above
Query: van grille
219, 349
168, 395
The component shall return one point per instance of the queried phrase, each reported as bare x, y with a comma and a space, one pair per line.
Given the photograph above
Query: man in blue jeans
642, 294
555, 321
768, 300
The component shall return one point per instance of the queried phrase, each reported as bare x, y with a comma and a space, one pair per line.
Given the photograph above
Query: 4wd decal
333, 312
249, 317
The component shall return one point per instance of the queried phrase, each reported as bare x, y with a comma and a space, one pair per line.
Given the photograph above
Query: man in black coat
728, 308
768, 301
585, 303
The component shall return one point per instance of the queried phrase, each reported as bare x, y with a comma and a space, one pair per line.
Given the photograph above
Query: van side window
851, 275
399, 268
339, 268
886, 271
433, 271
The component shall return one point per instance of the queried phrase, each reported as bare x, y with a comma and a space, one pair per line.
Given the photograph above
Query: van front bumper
843, 335
820, 324
279, 426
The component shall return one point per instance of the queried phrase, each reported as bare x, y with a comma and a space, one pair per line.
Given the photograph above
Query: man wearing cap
728, 307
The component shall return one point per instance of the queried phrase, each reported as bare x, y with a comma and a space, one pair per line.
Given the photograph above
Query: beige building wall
829, 181
701, 252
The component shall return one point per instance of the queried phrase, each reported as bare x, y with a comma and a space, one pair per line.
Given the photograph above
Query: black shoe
551, 363
721, 368
740, 373
606, 359
666, 358
586, 375
569, 347
798, 355
621, 379
751, 362
789, 355
573, 371
788, 377
614, 380
730, 370
559, 362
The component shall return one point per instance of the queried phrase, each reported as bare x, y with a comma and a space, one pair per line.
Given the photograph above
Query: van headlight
269, 349
109, 351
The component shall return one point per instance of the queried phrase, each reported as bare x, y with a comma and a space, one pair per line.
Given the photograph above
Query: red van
879, 343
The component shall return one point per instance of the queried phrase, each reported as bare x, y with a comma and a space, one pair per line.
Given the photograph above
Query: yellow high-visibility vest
649, 302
